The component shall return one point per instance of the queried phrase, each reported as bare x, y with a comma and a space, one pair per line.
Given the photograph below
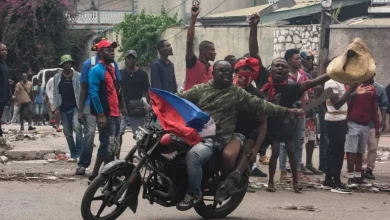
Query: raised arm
191, 32
253, 21
314, 82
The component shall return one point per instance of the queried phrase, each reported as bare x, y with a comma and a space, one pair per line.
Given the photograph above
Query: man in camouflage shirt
222, 101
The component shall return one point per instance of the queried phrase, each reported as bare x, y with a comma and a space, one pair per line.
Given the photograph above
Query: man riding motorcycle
222, 101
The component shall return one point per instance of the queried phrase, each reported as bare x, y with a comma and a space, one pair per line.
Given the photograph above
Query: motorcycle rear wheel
208, 212
89, 196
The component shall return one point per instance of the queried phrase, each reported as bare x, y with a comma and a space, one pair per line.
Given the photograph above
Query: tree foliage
142, 32
36, 33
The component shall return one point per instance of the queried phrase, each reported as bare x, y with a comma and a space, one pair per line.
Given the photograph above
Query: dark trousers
337, 131
324, 143
30, 112
2, 105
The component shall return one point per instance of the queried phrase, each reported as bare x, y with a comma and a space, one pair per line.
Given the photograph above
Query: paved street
34, 198
26, 201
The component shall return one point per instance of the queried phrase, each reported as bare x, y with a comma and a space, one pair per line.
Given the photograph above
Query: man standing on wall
162, 70
199, 70
5, 92
24, 96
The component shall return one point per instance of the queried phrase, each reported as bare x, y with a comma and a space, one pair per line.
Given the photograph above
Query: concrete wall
377, 39
154, 6
235, 41
227, 41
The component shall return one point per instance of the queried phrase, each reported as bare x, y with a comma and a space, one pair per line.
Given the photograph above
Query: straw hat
356, 65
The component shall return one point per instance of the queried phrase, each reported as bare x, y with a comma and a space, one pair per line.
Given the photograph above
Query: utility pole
133, 6
326, 21
98, 6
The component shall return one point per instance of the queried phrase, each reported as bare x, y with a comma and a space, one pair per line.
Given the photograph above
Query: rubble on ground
309, 208
37, 177
3, 159
16, 135
383, 157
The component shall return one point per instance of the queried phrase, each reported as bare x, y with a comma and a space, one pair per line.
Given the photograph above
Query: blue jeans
38, 108
109, 138
89, 129
324, 143
134, 122
195, 159
198, 156
299, 131
71, 124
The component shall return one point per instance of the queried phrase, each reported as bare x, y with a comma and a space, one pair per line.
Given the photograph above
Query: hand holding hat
356, 65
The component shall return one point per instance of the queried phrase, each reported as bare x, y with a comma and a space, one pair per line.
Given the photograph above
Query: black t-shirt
247, 122
5, 92
279, 128
134, 84
262, 79
67, 94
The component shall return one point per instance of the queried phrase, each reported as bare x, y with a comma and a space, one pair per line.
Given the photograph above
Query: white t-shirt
335, 114
50, 88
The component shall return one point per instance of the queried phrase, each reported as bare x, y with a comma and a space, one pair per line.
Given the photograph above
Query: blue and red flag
181, 117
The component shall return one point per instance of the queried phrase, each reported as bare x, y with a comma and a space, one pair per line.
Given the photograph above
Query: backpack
93, 62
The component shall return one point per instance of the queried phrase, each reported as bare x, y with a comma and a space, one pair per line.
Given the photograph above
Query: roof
302, 8
251, 10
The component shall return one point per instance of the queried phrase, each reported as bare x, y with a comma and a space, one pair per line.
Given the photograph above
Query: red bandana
249, 76
270, 86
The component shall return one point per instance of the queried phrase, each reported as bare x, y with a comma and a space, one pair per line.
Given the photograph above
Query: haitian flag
181, 117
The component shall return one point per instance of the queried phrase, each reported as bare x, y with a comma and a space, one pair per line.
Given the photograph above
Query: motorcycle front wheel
106, 186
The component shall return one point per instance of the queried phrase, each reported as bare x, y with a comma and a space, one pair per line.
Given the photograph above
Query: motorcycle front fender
133, 189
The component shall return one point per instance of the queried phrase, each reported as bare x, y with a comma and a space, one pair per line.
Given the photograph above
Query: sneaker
58, 130
284, 177
327, 185
369, 175
313, 170
188, 202
361, 183
341, 189
305, 171
264, 160
258, 173
31, 128
72, 160
80, 171
227, 186
351, 183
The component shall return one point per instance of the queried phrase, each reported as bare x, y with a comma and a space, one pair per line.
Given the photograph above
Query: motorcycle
162, 175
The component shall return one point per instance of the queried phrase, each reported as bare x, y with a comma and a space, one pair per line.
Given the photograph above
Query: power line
202, 17
177, 6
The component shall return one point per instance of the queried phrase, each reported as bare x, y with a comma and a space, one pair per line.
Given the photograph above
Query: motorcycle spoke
215, 203
98, 198
102, 207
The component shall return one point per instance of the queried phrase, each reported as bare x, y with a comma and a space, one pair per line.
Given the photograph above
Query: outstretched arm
191, 32
313, 83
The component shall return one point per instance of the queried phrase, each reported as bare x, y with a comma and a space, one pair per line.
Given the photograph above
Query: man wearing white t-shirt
337, 126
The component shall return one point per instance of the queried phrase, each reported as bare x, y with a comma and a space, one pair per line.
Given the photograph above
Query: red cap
105, 44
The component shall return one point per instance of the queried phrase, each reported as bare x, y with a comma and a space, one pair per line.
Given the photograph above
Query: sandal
298, 188
271, 188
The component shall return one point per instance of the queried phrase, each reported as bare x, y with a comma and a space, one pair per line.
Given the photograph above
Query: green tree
142, 32
36, 33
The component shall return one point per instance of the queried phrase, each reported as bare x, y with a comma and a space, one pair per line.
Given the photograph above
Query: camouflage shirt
224, 105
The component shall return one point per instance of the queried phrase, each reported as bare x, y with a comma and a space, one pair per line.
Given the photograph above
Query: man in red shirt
362, 109
199, 70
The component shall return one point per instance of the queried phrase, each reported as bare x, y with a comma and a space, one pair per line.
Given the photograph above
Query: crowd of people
250, 104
